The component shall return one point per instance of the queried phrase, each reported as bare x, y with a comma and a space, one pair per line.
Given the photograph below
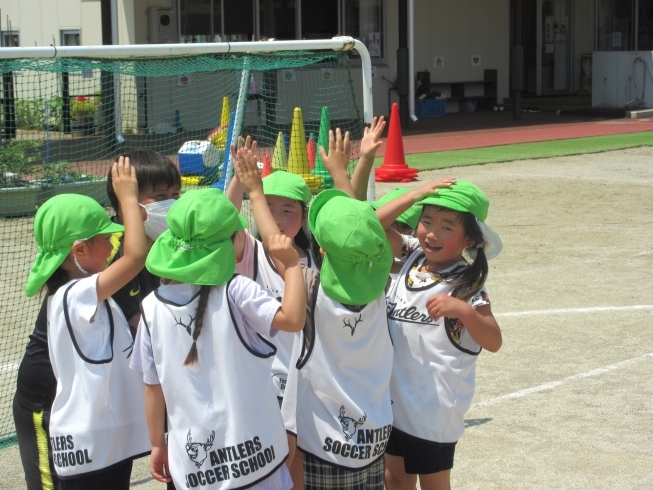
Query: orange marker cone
311, 149
267, 166
394, 168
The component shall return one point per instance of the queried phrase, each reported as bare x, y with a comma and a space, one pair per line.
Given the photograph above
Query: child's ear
79, 249
469, 243
322, 252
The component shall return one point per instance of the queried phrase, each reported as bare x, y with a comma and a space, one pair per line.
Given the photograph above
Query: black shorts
421, 457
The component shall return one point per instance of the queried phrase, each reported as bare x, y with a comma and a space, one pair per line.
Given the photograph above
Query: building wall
39, 21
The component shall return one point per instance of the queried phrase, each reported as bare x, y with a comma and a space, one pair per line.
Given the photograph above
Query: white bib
98, 414
341, 390
225, 428
267, 276
432, 381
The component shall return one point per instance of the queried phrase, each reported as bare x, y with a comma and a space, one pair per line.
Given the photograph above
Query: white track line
560, 311
555, 384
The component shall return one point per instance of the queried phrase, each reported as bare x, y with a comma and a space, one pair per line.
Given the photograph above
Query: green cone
323, 141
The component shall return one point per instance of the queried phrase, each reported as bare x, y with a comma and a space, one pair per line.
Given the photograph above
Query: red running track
461, 140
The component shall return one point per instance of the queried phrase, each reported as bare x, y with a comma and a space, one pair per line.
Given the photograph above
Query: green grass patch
526, 151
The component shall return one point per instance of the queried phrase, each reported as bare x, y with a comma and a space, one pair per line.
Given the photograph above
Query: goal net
65, 117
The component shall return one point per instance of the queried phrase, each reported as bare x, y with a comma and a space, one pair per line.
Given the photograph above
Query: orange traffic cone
394, 168
267, 166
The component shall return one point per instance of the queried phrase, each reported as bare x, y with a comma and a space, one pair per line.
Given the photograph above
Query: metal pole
517, 62
411, 60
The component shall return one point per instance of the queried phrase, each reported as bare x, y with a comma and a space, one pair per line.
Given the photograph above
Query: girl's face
92, 254
442, 237
287, 213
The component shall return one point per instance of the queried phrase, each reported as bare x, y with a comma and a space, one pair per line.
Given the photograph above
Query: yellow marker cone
298, 158
219, 136
279, 157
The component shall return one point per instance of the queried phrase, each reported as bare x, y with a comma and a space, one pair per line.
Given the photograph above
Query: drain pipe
411, 60
116, 77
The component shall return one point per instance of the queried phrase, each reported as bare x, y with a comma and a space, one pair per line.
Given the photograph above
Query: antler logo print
347, 323
348, 424
197, 450
185, 325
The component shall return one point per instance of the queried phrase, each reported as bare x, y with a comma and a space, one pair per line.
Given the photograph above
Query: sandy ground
566, 402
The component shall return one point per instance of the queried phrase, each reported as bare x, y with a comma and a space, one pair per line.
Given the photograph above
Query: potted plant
83, 110
64, 178
19, 196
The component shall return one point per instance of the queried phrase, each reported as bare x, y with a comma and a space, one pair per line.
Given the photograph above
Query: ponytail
317, 256
472, 279
205, 291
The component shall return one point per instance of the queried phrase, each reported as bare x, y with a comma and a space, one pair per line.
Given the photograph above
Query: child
205, 353
337, 402
440, 319
159, 184
96, 424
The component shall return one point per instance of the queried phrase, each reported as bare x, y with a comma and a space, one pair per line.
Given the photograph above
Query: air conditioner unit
162, 25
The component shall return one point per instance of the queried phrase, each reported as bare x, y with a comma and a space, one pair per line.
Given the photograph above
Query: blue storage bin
430, 108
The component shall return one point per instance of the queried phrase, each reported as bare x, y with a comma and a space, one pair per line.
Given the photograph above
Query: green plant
31, 113
83, 106
16, 157
63, 172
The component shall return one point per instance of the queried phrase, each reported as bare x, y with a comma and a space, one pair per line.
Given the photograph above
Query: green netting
64, 120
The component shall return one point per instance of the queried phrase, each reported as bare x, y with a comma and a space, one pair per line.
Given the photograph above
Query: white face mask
155, 223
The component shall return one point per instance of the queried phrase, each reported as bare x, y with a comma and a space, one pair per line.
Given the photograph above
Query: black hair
317, 256
56, 280
191, 358
471, 280
152, 169
301, 240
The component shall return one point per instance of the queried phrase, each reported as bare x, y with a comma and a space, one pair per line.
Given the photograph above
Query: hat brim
320, 200
47, 263
202, 266
355, 284
493, 244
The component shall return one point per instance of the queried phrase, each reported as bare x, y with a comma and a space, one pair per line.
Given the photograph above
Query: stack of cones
219, 135
323, 141
298, 158
394, 168
280, 157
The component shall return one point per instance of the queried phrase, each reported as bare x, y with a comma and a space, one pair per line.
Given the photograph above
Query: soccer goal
68, 111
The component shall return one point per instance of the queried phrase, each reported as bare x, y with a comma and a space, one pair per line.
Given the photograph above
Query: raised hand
124, 180
280, 247
371, 141
339, 152
431, 188
246, 165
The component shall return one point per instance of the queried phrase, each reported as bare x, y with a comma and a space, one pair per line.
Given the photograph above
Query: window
363, 20
69, 37
247, 20
615, 25
10, 39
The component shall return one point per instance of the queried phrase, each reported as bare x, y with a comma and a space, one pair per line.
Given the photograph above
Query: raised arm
370, 144
337, 160
250, 179
135, 246
292, 314
389, 212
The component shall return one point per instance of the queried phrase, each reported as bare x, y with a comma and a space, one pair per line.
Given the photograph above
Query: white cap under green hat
465, 197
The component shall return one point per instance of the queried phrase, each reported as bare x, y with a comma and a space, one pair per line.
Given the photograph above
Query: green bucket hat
358, 257
197, 248
58, 224
465, 197
409, 217
287, 184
